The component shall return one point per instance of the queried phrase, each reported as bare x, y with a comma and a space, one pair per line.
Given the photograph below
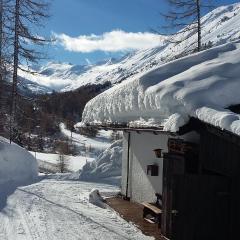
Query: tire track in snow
33, 220
59, 210
3, 234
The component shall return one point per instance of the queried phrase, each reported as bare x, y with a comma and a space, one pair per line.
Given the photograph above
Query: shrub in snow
108, 164
16, 164
96, 199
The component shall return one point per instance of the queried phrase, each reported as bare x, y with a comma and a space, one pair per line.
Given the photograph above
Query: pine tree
185, 17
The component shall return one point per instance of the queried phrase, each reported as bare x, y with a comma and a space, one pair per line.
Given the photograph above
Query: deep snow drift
106, 168
201, 85
219, 26
16, 164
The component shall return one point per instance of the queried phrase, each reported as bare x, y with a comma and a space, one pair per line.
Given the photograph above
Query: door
200, 207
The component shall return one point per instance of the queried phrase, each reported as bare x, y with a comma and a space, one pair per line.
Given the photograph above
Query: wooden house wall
219, 155
235, 207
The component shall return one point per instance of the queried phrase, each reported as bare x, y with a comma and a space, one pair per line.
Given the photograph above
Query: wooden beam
139, 130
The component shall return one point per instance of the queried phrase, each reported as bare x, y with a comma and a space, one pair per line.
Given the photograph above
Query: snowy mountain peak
218, 27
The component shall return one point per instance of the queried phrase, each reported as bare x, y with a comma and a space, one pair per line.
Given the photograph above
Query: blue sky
73, 18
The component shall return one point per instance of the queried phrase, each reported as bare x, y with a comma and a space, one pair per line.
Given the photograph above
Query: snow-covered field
91, 145
104, 165
50, 160
53, 209
89, 149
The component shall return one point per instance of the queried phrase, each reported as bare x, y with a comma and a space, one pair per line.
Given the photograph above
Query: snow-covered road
58, 209
100, 143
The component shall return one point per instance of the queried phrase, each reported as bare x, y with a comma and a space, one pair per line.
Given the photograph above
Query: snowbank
16, 164
96, 199
201, 85
107, 166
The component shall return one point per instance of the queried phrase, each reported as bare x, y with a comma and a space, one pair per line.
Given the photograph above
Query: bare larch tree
27, 14
185, 17
3, 58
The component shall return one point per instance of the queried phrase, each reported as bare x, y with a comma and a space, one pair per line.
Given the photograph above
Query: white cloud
114, 41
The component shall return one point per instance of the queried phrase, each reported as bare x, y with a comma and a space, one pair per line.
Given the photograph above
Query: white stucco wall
142, 187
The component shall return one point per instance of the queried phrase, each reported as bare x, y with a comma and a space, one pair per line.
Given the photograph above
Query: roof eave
125, 128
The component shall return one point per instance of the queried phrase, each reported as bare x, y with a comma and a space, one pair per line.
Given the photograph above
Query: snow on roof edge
201, 85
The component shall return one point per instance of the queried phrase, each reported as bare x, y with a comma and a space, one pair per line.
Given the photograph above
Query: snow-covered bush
16, 164
108, 164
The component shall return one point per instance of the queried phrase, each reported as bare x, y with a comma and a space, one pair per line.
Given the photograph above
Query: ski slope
54, 209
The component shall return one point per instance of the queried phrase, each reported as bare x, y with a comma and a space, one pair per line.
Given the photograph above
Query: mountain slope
219, 26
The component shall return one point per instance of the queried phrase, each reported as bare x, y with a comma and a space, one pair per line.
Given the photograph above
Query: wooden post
167, 196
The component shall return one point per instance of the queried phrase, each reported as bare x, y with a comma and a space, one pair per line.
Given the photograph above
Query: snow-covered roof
202, 85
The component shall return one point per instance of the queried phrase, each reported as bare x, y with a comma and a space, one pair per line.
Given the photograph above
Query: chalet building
181, 142
196, 171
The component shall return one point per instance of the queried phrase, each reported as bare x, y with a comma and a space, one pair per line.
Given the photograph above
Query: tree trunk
15, 69
1, 63
199, 27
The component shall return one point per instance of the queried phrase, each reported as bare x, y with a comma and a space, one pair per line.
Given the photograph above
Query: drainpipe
128, 168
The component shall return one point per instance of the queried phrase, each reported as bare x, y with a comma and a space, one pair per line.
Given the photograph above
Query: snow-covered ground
99, 158
107, 167
50, 161
90, 145
55, 207
60, 210
16, 164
